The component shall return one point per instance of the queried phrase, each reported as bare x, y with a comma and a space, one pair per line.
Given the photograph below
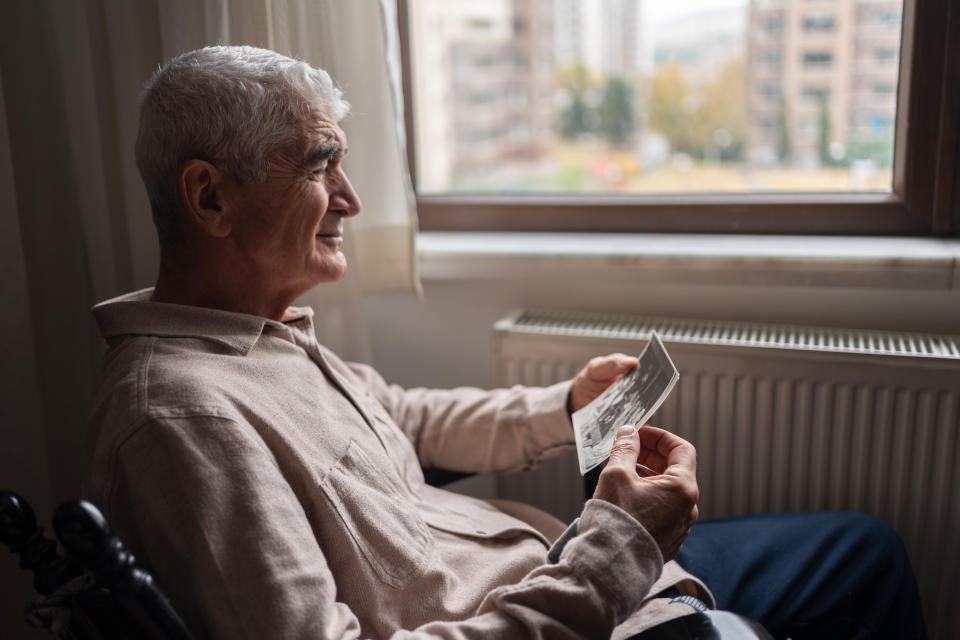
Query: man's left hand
599, 374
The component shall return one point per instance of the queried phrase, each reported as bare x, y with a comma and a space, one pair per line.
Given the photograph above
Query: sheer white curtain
357, 43
76, 225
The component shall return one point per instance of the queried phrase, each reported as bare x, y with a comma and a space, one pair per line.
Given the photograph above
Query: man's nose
344, 200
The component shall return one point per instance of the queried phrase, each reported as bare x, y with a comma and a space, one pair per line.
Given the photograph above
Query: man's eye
319, 172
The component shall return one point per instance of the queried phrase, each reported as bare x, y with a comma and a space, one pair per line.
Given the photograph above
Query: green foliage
723, 106
617, 115
596, 105
705, 120
823, 143
878, 150
784, 144
572, 179
691, 116
575, 119
668, 108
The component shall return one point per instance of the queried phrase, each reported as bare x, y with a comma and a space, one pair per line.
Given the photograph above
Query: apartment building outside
486, 71
821, 81
604, 36
702, 42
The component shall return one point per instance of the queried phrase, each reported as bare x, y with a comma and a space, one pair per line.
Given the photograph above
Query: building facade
821, 80
483, 86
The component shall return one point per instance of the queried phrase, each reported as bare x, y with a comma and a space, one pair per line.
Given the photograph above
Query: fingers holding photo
596, 376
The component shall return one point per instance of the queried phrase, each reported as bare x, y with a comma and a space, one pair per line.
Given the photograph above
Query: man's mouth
330, 232
332, 239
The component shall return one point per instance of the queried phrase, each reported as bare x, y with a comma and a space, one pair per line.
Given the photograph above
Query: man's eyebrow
322, 153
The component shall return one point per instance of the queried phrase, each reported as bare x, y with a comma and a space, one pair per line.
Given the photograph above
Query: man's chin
332, 270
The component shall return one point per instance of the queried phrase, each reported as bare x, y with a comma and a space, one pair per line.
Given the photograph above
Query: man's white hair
231, 106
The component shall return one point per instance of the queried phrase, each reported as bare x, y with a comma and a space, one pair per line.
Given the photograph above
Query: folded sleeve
607, 564
475, 430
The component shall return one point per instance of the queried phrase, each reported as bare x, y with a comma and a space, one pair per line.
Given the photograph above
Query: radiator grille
784, 418
735, 334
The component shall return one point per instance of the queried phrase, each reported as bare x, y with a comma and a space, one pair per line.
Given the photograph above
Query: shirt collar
134, 314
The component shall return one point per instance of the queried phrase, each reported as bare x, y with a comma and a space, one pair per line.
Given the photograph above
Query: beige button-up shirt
277, 492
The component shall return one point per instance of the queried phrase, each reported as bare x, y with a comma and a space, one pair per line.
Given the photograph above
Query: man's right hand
666, 503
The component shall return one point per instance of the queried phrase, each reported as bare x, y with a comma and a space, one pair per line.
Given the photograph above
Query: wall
445, 338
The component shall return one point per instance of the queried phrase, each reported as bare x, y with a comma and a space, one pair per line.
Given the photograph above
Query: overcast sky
656, 12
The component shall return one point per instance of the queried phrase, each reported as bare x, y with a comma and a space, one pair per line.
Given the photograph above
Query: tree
823, 146
784, 145
690, 117
617, 112
723, 107
577, 118
668, 107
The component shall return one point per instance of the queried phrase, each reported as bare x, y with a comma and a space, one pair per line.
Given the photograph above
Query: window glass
647, 96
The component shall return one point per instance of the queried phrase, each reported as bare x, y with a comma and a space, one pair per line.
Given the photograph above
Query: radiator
784, 418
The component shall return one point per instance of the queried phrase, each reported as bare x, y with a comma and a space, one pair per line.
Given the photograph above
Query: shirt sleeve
475, 430
229, 541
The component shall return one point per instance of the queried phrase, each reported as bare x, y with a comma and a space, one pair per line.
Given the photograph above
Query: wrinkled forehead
316, 130
319, 126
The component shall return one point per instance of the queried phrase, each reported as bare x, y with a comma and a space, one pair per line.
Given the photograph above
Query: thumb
626, 448
611, 366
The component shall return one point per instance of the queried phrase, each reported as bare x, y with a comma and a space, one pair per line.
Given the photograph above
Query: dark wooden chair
96, 591
93, 592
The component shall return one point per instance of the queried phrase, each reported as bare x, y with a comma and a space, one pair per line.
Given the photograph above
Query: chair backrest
19, 530
96, 592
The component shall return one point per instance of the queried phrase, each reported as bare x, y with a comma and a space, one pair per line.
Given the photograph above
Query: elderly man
276, 491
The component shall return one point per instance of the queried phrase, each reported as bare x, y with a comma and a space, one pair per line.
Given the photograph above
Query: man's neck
200, 286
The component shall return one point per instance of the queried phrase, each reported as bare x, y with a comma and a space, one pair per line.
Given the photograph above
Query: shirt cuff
550, 426
553, 554
613, 551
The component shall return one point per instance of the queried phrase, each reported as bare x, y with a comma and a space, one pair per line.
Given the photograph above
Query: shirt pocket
380, 519
471, 518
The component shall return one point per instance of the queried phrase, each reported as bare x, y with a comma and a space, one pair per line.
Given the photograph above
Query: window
890, 19
887, 54
772, 90
815, 92
817, 59
773, 24
904, 132
771, 58
819, 22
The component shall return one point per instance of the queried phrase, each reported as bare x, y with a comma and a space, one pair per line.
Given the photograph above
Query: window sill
815, 261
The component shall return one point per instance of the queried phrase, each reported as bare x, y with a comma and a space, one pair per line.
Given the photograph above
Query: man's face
290, 228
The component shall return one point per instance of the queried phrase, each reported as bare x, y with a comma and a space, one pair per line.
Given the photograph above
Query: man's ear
201, 187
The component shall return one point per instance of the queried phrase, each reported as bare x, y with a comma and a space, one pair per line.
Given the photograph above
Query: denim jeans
843, 576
